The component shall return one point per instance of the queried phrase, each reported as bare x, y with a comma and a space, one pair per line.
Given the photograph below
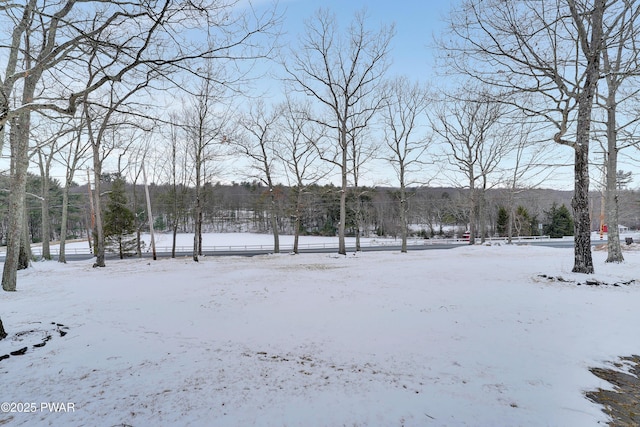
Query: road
250, 251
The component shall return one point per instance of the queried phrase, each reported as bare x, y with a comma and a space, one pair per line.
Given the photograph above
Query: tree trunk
358, 214
99, 244
196, 240
274, 223
175, 236
403, 217
19, 142
342, 248
298, 221
583, 262
198, 220
510, 222
614, 251
63, 223
481, 215
46, 221
25, 242
138, 222
138, 240
472, 214
149, 215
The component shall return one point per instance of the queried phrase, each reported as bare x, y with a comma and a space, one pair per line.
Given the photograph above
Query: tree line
246, 207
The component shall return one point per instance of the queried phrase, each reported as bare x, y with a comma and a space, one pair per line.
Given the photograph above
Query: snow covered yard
470, 336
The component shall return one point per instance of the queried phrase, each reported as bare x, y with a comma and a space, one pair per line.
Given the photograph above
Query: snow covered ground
470, 336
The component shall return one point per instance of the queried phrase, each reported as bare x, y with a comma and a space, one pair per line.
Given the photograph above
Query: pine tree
119, 222
502, 222
559, 222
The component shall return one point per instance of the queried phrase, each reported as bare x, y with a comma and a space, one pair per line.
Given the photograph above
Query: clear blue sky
415, 21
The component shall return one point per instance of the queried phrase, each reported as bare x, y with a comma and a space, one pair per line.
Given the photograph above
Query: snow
470, 336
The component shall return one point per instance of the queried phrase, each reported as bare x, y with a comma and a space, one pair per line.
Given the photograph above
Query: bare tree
106, 125
50, 137
296, 149
205, 128
545, 58
179, 175
50, 39
342, 72
72, 160
257, 142
591, 46
362, 149
468, 125
60, 33
620, 66
407, 142
137, 155
529, 164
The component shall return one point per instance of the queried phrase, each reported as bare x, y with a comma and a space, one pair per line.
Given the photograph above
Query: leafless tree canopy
60, 55
341, 71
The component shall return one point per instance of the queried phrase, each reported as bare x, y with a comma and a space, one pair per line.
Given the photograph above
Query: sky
471, 336
415, 23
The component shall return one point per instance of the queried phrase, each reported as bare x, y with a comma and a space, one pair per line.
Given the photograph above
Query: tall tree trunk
62, 257
358, 218
274, 222
197, 216
138, 223
472, 213
97, 172
403, 216
342, 248
25, 242
614, 251
46, 220
482, 216
19, 143
583, 262
175, 236
197, 232
297, 223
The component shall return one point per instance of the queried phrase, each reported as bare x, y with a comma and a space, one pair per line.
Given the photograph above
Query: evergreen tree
119, 222
559, 222
502, 222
